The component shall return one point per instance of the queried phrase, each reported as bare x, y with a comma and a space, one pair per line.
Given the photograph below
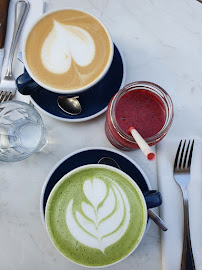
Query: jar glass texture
123, 140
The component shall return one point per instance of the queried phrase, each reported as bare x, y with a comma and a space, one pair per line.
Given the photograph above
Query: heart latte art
66, 45
95, 216
67, 50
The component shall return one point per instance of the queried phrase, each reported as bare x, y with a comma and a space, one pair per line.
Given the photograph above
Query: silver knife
4, 4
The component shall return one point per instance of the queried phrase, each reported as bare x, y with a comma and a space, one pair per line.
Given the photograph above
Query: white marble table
161, 42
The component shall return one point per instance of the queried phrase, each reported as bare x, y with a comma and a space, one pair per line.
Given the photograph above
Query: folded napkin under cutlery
36, 10
172, 211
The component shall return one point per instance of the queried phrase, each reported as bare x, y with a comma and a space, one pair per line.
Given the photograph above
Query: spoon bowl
69, 105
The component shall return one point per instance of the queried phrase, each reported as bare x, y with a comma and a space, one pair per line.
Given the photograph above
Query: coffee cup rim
125, 175
66, 91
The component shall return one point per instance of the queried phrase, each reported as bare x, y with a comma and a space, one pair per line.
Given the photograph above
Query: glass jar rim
160, 93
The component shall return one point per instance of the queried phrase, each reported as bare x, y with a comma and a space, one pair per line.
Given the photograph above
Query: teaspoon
111, 162
70, 105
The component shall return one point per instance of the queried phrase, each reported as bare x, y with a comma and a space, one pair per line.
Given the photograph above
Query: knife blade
4, 5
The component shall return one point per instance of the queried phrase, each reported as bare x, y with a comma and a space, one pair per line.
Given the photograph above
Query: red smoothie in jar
142, 110
140, 105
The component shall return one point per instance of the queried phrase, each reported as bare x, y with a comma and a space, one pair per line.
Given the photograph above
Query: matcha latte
96, 215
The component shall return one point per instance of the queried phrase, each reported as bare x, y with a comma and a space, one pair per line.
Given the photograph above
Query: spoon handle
157, 220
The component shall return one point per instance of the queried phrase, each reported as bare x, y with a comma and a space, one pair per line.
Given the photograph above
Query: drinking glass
22, 131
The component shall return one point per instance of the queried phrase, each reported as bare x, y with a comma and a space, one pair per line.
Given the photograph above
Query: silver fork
8, 84
181, 174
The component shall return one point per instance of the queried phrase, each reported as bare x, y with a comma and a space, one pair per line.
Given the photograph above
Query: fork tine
11, 96
8, 96
190, 154
5, 96
177, 155
186, 157
2, 96
182, 156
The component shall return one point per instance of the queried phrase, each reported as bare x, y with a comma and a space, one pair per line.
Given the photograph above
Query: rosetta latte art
102, 221
64, 45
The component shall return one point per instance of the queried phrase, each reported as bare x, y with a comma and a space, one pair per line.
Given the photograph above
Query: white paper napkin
36, 9
171, 210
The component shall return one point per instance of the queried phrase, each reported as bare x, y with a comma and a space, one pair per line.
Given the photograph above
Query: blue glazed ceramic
92, 156
94, 101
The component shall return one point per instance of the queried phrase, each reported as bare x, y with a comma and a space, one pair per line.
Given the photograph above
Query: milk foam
103, 220
64, 45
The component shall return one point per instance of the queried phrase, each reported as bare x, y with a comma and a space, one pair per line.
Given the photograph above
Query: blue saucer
93, 101
92, 156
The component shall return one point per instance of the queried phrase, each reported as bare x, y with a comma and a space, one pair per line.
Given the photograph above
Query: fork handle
21, 10
187, 261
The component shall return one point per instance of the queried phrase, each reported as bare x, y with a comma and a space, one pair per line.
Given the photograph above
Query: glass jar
124, 140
